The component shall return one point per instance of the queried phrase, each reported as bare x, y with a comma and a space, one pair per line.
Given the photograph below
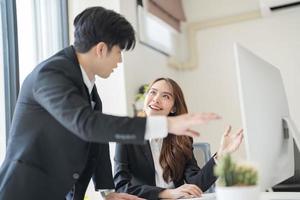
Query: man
59, 136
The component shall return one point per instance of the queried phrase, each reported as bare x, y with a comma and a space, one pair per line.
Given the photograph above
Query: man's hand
121, 196
230, 142
184, 191
181, 124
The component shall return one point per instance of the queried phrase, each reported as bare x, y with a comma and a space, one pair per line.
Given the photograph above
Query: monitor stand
289, 128
293, 183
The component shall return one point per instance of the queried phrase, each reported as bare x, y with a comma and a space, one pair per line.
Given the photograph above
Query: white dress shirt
156, 145
89, 84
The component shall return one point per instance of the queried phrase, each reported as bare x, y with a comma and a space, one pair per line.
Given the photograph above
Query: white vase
238, 193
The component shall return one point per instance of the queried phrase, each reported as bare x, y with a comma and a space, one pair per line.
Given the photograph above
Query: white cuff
156, 127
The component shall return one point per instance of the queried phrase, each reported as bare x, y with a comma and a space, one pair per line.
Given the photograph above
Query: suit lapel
75, 72
146, 149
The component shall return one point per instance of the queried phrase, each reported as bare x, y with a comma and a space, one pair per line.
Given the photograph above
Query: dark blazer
54, 129
135, 172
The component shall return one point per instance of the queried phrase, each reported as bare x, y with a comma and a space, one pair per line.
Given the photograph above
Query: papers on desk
207, 196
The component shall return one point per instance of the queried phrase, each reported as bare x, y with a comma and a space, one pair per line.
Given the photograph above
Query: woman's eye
152, 92
166, 97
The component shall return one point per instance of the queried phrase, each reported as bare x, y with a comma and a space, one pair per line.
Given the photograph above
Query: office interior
203, 63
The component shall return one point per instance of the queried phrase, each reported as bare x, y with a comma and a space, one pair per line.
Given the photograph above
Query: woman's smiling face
159, 99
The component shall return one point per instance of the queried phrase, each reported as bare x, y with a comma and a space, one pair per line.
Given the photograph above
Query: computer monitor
268, 129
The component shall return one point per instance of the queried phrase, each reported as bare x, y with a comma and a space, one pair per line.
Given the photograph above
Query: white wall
111, 90
212, 86
196, 10
143, 64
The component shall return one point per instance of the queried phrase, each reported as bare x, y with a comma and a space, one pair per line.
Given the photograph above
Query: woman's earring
173, 110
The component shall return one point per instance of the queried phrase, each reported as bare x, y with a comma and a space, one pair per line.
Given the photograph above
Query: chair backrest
202, 155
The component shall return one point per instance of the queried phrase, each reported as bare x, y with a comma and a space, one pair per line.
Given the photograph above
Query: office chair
202, 155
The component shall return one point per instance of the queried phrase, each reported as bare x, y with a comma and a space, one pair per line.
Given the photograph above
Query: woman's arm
203, 178
123, 177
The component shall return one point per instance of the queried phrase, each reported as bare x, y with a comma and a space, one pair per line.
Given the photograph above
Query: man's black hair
97, 24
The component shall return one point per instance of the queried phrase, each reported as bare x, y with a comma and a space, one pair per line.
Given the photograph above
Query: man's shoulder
65, 57
64, 61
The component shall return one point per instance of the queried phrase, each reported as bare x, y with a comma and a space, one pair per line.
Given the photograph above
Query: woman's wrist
219, 154
164, 193
215, 157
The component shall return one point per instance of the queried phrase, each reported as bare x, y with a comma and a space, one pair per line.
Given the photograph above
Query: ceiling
201, 10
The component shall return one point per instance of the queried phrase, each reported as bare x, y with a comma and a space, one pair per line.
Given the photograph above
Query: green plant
141, 93
231, 173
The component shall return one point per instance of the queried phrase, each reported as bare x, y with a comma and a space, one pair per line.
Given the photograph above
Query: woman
166, 168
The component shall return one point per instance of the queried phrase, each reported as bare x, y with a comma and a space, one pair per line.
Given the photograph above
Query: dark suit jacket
135, 172
53, 129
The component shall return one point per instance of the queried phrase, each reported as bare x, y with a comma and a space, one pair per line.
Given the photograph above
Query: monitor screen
264, 105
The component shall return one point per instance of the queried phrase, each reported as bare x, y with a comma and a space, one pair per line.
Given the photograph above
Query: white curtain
2, 97
39, 32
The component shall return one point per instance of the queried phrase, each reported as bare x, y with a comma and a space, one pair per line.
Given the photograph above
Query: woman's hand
184, 191
121, 196
230, 142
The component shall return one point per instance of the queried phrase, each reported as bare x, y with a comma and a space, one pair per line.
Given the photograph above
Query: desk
264, 196
280, 196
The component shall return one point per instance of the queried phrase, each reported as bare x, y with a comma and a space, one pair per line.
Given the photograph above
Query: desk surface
206, 196
280, 196
264, 196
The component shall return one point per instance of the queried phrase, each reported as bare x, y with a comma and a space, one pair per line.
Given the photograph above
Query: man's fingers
179, 125
200, 118
192, 133
206, 116
188, 132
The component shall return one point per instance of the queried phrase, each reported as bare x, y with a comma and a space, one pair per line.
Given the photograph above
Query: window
159, 24
39, 35
155, 33
9, 73
2, 99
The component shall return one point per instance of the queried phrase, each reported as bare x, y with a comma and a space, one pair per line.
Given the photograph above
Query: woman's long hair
176, 150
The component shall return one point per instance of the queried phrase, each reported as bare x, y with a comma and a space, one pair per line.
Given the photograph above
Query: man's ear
101, 49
